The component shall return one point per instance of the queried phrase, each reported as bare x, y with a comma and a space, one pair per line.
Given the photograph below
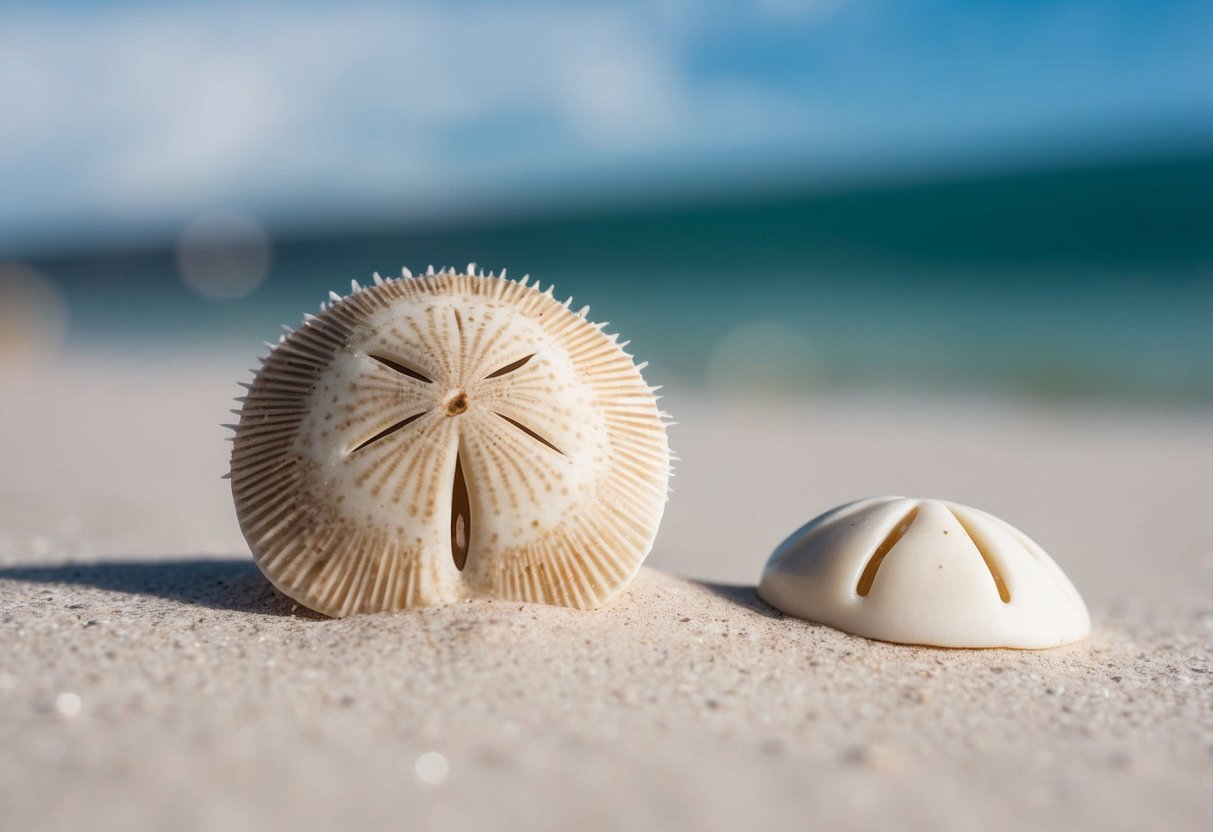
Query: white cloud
138, 111
132, 112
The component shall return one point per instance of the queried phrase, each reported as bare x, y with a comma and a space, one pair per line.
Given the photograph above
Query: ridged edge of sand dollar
326, 561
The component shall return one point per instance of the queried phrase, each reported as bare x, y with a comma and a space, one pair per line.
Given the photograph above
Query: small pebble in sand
873, 756
432, 768
773, 746
68, 705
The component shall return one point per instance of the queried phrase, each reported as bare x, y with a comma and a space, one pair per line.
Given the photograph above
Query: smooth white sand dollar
445, 438
928, 572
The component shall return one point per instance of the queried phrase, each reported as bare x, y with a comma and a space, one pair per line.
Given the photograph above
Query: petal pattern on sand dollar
449, 438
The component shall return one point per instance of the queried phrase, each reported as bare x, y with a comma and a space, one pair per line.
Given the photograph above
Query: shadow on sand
238, 585
219, 584
743, 595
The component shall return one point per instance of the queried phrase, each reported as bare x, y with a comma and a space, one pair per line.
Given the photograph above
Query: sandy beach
151, 679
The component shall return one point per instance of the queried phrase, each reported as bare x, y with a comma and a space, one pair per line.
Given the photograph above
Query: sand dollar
444, 438
922, 571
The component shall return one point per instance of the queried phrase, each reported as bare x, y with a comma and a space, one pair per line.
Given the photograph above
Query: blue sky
126, 118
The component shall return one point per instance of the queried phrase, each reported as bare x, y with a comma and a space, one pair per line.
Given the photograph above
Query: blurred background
789, 195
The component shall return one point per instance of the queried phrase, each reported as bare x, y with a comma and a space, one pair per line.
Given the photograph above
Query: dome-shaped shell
924, 572
444, 438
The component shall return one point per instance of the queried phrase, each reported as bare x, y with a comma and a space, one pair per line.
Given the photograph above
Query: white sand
159, 683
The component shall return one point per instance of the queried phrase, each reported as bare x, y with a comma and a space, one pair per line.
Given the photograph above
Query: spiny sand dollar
449, 437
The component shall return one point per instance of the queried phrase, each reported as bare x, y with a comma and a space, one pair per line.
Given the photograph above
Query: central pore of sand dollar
456, 402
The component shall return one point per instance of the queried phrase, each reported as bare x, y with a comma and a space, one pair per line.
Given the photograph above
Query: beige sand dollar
445, 438
924, 572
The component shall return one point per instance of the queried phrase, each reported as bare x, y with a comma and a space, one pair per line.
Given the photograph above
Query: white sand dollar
444, 438
924, 572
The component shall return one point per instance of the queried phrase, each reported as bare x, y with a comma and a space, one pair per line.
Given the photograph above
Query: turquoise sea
1066, 280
